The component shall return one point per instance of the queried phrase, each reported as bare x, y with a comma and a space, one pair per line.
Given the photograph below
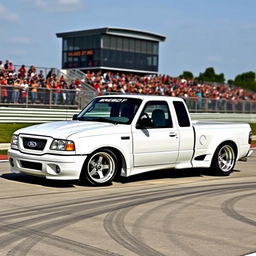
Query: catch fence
78, 98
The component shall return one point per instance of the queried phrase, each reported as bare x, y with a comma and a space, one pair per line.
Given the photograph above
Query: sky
199, 33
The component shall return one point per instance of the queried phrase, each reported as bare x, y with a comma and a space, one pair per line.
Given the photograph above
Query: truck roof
142, 96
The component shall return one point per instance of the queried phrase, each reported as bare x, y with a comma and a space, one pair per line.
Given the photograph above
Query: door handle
173, 134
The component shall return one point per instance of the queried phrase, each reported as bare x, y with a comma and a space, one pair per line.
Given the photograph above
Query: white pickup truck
127, 135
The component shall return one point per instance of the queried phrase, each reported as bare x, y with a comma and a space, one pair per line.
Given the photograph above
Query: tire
224, 159
100, 168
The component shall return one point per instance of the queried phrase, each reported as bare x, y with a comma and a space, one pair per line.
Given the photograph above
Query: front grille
31, 165
34, 144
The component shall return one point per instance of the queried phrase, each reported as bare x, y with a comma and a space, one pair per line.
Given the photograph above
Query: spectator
41, 78
48, 88
10, 83
16, 91
64, 87
4, 93
1, 67
24, 90
11, 67
56, 92
22, 72
6, 65
72, 93
31, 72
34, 89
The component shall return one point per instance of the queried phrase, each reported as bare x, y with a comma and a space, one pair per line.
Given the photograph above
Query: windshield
114, 110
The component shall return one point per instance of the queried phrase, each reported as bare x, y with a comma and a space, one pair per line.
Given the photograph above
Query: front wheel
224, 159
100, 168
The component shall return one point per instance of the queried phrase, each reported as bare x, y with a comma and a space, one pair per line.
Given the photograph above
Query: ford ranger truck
127, 135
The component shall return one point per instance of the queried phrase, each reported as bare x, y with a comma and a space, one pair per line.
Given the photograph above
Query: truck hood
73, 129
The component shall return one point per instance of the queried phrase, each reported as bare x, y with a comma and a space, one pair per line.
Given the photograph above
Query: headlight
63, 145
15, 141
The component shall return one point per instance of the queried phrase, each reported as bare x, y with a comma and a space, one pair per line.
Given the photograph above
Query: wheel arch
232, 143
122, 165
212, 148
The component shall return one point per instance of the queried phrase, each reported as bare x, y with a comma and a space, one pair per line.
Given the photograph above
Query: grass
6, 131
253, 127
3, 152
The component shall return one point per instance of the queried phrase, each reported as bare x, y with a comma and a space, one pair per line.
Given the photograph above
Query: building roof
114, 31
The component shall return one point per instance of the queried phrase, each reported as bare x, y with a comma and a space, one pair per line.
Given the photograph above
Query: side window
156, 114
181, 113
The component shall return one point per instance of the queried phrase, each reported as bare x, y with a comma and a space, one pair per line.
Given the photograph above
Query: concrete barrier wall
36, 115
225, 117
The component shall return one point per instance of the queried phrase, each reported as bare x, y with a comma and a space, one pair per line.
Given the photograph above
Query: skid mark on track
228, 207
115, 227
40, 223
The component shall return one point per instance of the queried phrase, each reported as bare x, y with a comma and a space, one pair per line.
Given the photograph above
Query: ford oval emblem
32, 144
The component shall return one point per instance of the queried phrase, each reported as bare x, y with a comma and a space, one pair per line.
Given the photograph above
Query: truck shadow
170, 174
23, 178
153, 175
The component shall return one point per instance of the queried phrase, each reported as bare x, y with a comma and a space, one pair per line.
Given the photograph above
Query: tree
209, 75
246, 80
187, 75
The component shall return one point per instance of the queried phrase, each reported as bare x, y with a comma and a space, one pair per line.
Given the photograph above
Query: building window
126, 44
65, 44
137, 45
132, 45
110, 51
143, 46
155, 48
69, 44
78, 43
113, 43
155, 61
150, 47
106, 42
119, 44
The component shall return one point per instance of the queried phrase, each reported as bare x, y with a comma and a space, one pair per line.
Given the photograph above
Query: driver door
156, 141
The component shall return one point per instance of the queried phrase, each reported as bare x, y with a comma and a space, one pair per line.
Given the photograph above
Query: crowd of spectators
28, 85
165, 85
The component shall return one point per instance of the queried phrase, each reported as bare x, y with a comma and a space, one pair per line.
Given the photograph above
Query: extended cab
126, 135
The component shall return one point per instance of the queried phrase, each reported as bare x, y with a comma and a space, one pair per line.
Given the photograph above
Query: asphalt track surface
171, 212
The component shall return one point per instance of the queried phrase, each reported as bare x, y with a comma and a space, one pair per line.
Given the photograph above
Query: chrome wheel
101, 167
226, 158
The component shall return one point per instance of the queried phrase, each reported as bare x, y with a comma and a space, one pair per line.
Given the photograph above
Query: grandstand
30, 86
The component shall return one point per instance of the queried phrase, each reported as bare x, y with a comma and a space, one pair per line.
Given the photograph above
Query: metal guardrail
45, 98
220, 105
77, 99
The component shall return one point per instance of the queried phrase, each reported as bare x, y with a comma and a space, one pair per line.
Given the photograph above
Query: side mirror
75, 117
144, 123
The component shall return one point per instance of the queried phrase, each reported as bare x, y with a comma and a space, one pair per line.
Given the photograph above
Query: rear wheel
100, 168
224, 159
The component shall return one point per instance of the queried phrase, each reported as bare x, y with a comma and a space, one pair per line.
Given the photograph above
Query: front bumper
58, 167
